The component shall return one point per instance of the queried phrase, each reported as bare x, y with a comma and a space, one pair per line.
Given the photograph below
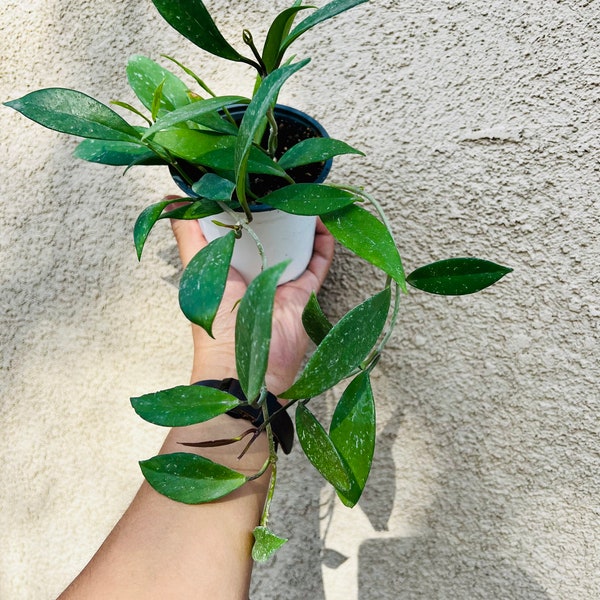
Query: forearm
162, 549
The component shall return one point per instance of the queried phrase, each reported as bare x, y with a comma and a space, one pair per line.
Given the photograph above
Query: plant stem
240, 222
273, 461
273, 133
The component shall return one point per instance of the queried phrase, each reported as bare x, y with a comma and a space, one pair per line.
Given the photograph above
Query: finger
189, 237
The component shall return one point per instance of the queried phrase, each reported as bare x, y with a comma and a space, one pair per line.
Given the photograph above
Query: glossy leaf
146, 76
314, 150
198, 209
316, 324
253, 330
266, 543
253, 117
457, 276
193, 145
343, 348
352, 432
183, 405
309, 199
322, 14
115, 153
214, 151
191, 19
320, 451
145, 222
156, 100
190, 478
203, 282
73, 112
213, 187
193, 111
277, 32
367, 237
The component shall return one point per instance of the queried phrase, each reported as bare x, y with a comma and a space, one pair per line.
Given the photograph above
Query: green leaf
309, 199
190, 73
314, 150
198, 209
253, 330
344, 348
316, 324
213, 187
367, 237
320, 451
192, 112
73, 112
190, 478
258, 162
352, 432
156, 100
191, 19
253, 117
146, 76
115, 153
457, 276
193, 145
145, 222
277, 32
322, 14
266, 543
183, 405
203, 282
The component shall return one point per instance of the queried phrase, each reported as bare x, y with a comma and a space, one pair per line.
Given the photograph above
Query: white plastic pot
282, 235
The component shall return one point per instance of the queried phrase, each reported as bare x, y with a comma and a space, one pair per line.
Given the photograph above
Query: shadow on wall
428, 568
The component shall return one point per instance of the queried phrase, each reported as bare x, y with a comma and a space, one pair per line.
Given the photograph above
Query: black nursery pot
293, 126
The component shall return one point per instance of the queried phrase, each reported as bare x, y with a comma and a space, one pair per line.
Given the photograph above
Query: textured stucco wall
480, 121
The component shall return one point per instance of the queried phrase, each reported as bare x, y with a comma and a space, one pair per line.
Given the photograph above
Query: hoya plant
220, 153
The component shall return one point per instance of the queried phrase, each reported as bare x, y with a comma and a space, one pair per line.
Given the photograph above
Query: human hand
215, 358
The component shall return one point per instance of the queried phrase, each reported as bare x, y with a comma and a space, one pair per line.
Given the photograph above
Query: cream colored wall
480, 124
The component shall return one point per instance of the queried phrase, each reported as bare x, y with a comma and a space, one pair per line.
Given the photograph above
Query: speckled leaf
308, 199
320, 451
190, 478
115, 153
183, 405
145, 222
203, 282
263, 99
322, 14
146, 77
266, 543
457, 276
196, 210
352, 432
191, 19
344, 348
192, 111
314, 150
253, 330
367, 237
73, 112
213, 187
316, 324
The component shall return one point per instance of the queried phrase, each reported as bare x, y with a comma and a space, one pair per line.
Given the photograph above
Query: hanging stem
240, 222
273, 461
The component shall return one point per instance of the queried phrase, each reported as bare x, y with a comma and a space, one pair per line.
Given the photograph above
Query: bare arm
161, 549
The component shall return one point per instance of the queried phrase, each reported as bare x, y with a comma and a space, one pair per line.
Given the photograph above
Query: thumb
189, 237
